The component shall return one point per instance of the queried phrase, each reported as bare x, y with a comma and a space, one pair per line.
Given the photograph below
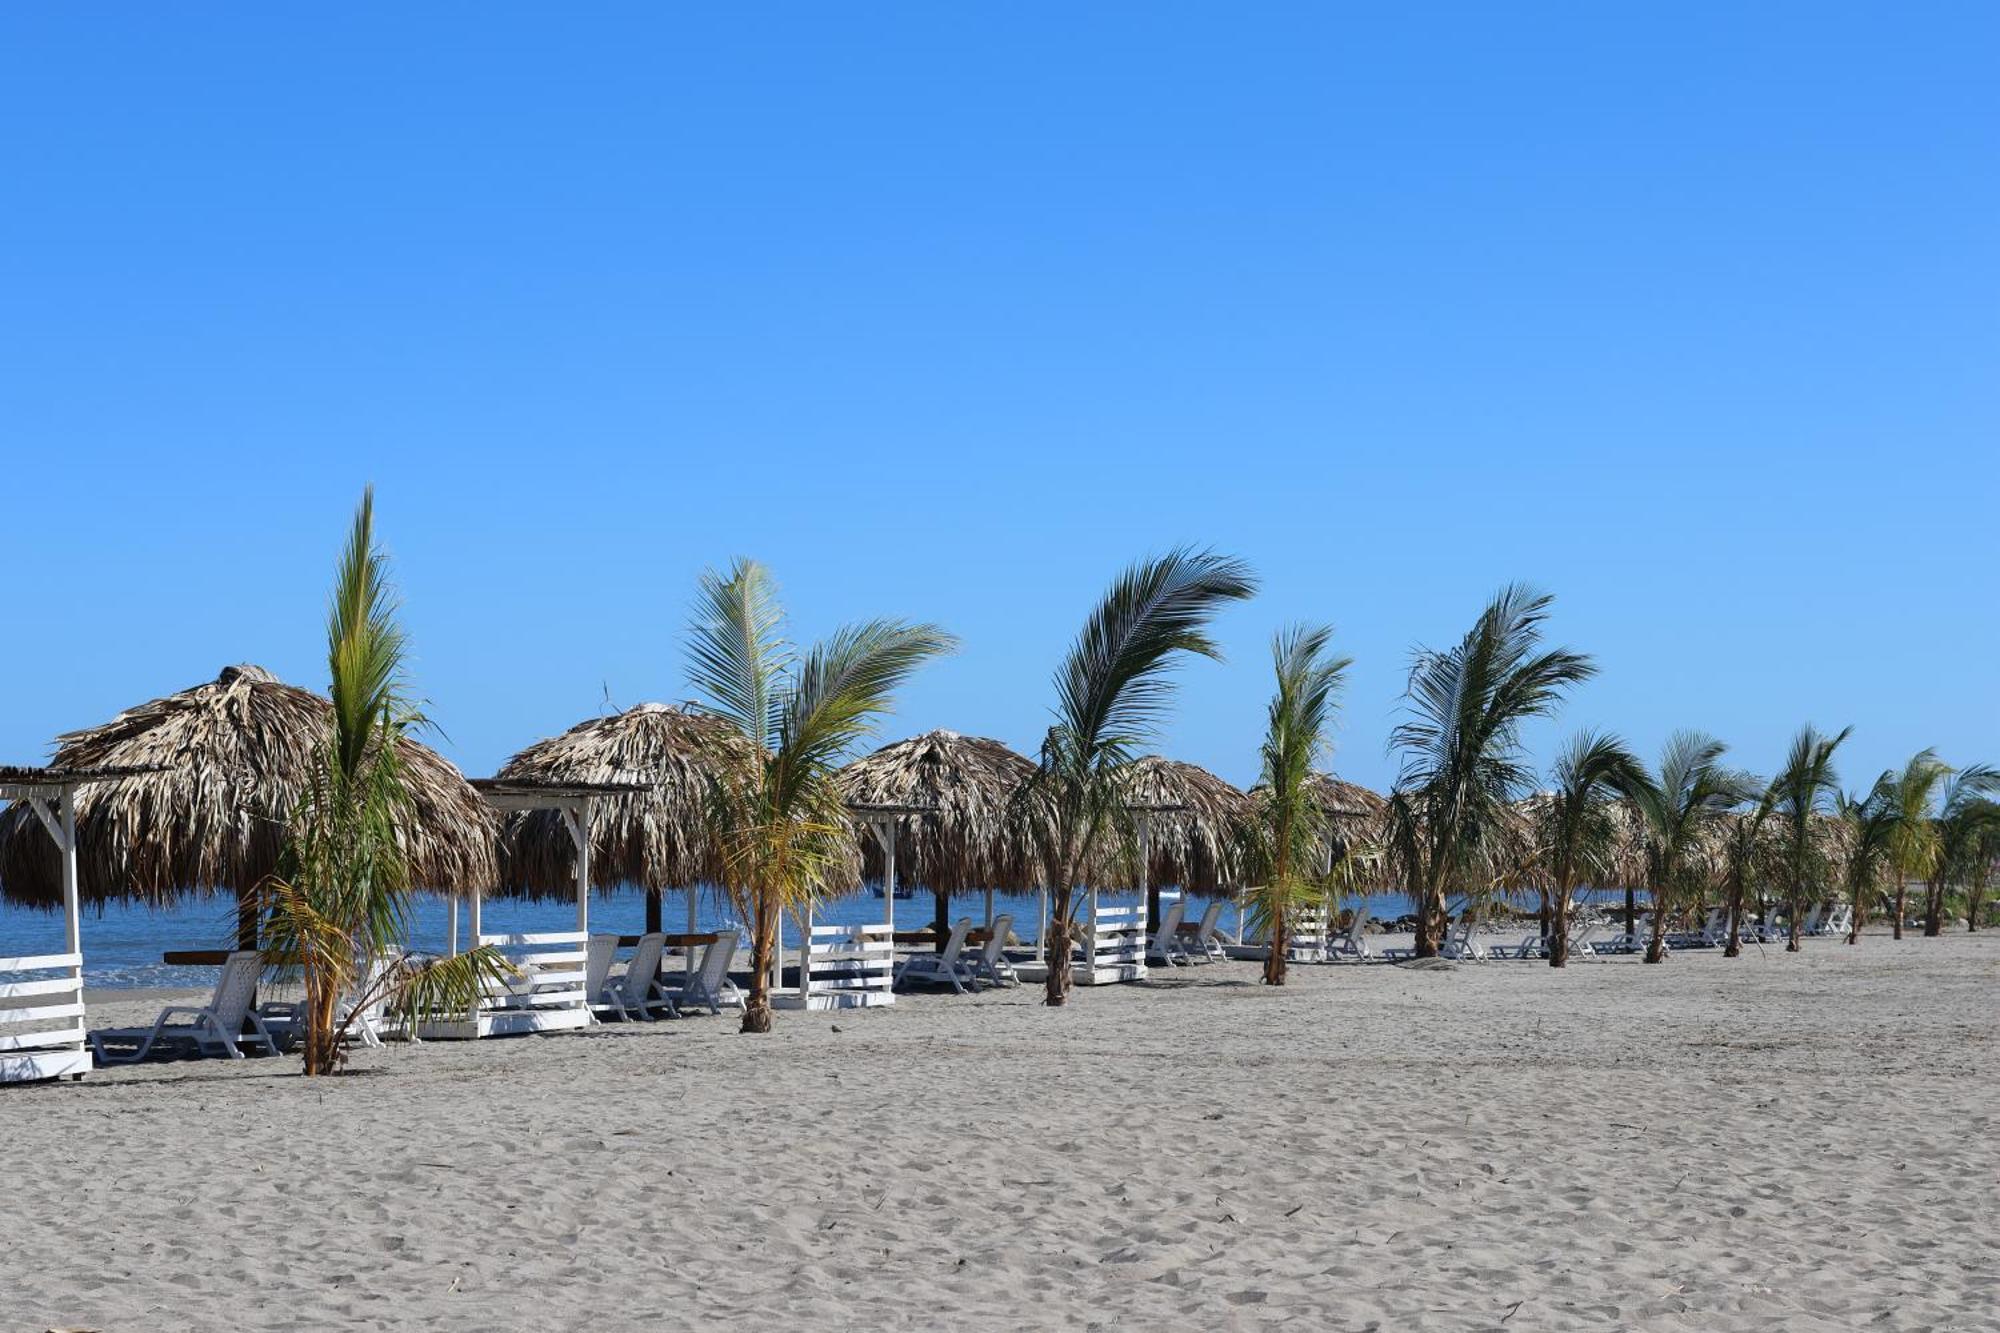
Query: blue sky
1689, 314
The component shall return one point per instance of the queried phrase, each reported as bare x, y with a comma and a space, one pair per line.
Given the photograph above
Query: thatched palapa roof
656, 838
973, 834
1196, 820
226, 765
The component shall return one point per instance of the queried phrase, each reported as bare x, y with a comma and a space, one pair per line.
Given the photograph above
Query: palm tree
1680, 807
1965, 823
779, 821
1291, 839
1745, 854
1800, 791
1913, 838
1871, 825
1111, 692
1462, 759
1576, 825
1981, 864
341, 899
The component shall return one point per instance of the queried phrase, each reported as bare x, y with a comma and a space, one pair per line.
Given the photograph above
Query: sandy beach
1781, 1141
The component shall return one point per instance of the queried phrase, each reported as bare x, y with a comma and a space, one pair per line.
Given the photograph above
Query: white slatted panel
42, 1016
551, 975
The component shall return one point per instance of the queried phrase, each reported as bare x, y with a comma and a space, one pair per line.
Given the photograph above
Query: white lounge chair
940, 969
636, 993
989, 961
1352, 942
1203, 946
599, 952
1166, 946
710, 987
1459, 944
214, 1028
1839, 921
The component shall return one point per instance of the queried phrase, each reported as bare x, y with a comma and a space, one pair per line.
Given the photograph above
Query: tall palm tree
1576, 824
1981, 864
777, 811
1291, 838
339, 907
1112, 691
1913, 840
1801, 791
1871, 826
1966, 821
1681, 806
1463, 764
1745, 854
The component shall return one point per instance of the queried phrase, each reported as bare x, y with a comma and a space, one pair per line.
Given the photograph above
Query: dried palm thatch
974, 833
654, 839
1196, 822
229, 761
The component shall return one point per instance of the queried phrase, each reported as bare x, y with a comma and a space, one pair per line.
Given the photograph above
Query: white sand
1798, 1142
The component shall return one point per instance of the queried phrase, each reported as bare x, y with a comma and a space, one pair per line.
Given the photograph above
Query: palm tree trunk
1542, 917
1934, 908
1902, 905
1656, 945
1734, 949
1055, 991
1557, 930
763, 948
1430, 922
1795, 906
940, 920
1274, 961
1631, 911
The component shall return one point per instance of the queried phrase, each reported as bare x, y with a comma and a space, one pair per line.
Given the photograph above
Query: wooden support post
451, 926
653, 923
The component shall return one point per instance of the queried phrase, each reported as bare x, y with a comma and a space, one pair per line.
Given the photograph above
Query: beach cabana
224, 766
1188, 824
548, 991
652, 833
42, 1029
944, 815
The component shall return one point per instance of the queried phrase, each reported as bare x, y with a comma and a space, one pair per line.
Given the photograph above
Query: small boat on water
903, 891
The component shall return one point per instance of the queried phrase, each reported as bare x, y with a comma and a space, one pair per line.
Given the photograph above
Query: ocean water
122, 945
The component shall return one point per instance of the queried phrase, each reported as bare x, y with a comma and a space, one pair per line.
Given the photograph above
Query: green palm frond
1463, 765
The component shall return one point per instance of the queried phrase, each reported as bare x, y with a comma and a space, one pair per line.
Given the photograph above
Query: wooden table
680, 941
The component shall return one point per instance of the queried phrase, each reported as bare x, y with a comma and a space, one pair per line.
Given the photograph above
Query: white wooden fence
1115, 948
844, 967
41, 1018
547, 994
1306, 935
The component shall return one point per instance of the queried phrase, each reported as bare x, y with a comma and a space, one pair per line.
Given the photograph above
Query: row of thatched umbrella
230, 759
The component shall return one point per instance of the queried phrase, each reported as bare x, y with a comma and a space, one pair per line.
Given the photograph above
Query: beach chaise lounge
214, 1028
1203, 946
599, 952
1352, 942
710, 987
989, 961
940, 969
1460, 945
364, 1023
635, 993
1166, 946
1839, 921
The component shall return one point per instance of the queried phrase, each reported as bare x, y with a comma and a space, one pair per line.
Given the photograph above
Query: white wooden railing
1306, 935
41, 1017
1115, 947
845, 967
548, 991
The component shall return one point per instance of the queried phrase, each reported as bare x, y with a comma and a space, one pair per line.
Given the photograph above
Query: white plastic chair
940, 969
1166, 946
710, 987
214, 1028
1203, 947
989, 962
